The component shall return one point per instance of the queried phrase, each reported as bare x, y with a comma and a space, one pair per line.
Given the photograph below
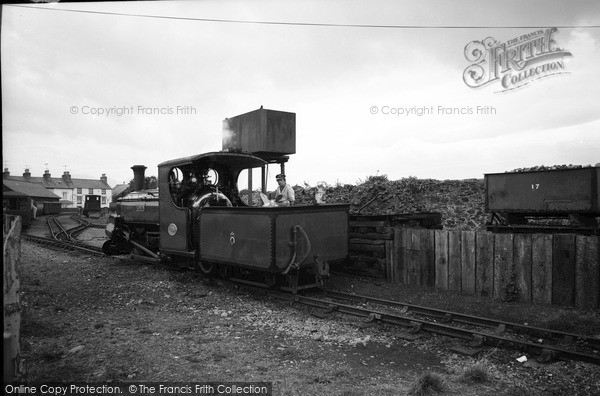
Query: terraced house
72, 191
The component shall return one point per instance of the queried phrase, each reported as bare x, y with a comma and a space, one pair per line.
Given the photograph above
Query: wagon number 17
535, 186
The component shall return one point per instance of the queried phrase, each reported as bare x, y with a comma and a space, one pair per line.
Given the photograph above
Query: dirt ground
108, 321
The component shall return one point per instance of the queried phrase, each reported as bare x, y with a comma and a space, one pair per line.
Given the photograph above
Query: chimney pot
66, 176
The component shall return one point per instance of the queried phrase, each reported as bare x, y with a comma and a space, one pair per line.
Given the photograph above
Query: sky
378, 87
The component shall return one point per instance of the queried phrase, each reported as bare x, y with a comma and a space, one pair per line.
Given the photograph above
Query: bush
479, 372
427, 384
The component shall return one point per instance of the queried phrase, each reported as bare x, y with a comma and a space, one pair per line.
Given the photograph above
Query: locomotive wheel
207, 268
292, 281
109, 248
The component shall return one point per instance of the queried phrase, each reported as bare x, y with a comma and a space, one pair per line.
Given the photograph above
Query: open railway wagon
566, 200
197, 212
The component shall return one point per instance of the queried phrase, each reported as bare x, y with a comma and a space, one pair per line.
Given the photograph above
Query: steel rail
51, 221
448, 316
62, 230
83, 225
62, 244
443, 329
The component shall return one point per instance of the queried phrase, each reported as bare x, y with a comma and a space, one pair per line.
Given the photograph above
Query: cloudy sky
350, 70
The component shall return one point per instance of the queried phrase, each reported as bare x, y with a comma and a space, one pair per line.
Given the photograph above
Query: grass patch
576, 322
479, 372
427, 384
333, 375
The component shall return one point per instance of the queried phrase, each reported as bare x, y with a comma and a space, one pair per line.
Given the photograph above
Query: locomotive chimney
138, 177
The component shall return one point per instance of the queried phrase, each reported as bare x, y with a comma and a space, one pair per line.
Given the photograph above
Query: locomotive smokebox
264, 133
138, 177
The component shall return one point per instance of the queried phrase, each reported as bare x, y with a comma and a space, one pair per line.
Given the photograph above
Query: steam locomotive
197, 214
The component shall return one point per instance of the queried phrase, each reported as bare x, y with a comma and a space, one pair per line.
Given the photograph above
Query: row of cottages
71, 191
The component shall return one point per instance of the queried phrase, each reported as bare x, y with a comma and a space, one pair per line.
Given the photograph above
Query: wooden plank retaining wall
560, 269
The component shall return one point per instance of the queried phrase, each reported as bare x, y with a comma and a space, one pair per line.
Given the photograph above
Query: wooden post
426, 258
390, 262
563, 270
12, 304
467, 253
413, 262
484, 260
441, 259
587, 272
523, 266
541, 268
400, 248
454, 261
503, 267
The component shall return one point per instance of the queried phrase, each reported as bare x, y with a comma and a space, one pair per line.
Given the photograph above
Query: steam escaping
229, 136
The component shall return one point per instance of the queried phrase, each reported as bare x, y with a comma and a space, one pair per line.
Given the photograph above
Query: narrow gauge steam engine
197, 212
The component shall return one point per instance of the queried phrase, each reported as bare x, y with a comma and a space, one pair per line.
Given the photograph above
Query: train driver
284, 195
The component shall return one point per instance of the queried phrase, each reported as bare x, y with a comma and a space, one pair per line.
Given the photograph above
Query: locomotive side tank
269, 238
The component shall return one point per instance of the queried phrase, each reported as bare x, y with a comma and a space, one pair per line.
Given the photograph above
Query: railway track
57, 231
65, 238
477, 331
63, 244
497, 325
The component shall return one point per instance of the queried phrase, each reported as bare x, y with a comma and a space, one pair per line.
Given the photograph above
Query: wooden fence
561, 269
12, 305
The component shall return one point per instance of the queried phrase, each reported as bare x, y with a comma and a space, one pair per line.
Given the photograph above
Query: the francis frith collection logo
516, 62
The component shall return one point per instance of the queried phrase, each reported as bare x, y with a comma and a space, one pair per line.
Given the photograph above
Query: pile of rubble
461, 202
552, 167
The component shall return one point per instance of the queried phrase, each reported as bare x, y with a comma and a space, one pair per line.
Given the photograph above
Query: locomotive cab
187, 185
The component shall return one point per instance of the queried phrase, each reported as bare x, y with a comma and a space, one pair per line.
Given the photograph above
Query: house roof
120, 190
22, 188
60, 182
